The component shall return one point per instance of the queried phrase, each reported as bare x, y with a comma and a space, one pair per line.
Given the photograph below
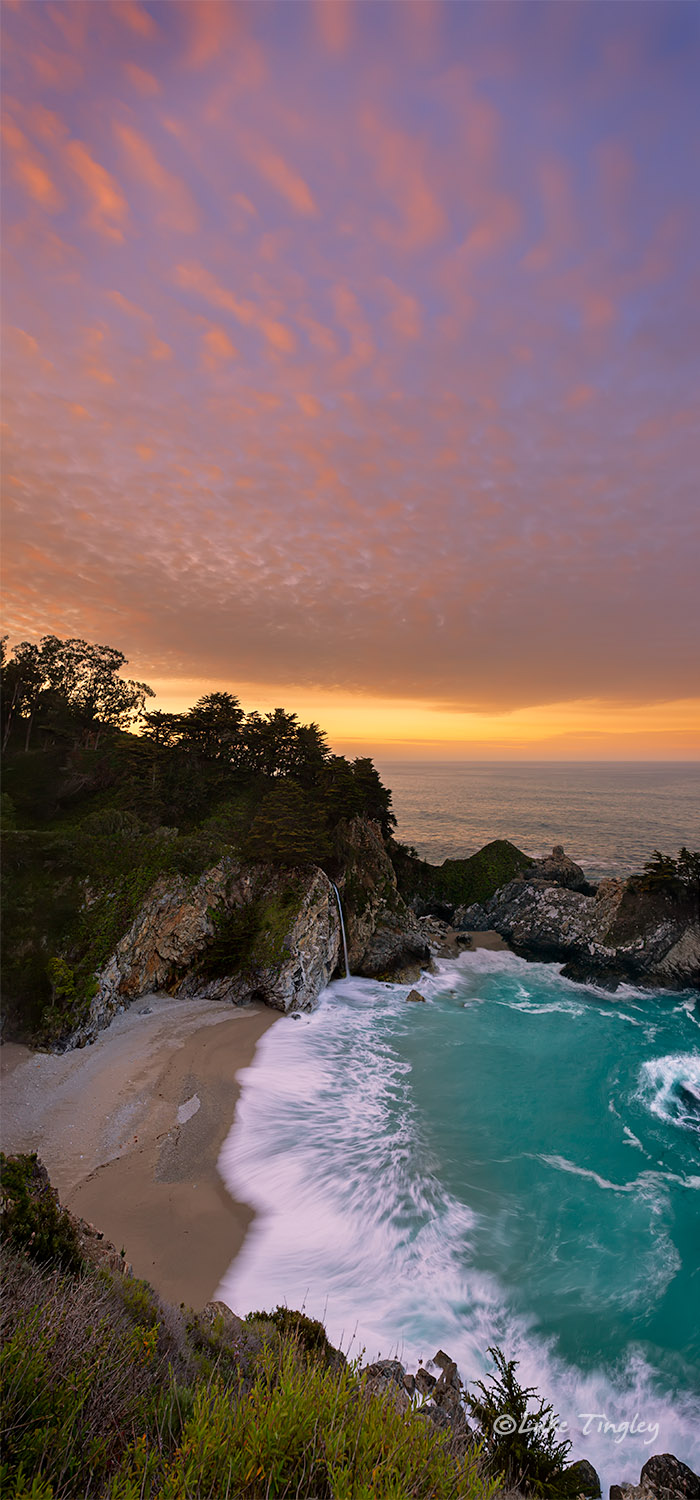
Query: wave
355, 1223
669, 1088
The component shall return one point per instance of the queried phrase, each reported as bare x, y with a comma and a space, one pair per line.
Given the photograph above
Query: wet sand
130, 1130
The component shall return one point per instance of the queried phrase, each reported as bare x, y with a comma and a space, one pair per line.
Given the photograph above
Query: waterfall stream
342, 929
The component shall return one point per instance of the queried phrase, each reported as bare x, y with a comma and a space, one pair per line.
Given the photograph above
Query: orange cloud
60, 70
597, 311
581, 395
281, 176
143, 81
176, 208
27, 347
135, 17
500, 221
30, 168
333, 22
352, 319
47, 124
308, 404
560, 227
405, 314
321, 337
216, 348
213, 23
95, 369
196, 278
402, 173
157, 348
108, 206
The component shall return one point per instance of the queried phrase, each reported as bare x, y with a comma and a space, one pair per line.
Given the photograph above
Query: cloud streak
354, 348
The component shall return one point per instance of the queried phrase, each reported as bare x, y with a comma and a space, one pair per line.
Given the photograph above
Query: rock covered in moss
620, 930
384, 938
238, 933
292, 952
582, 1479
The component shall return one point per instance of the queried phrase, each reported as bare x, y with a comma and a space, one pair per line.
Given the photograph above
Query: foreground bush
31, 1218
107, 1395
305, 1430
521, 1439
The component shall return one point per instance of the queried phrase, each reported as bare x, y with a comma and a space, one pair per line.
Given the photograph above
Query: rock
385, 1378
425, 1382
286, 970
471, 919
582, 1479
558, 869
443, 910
292, 951
414, 995
217, 1318
669, 1478
385, 940
386, 1369
630, 1492
621, 932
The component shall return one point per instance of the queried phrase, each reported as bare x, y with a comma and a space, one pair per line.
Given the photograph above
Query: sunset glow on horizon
351, 362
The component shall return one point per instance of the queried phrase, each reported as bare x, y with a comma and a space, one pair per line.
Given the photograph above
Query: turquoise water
516, 1161
610, 816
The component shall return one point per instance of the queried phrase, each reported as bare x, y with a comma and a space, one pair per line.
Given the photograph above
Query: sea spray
460, 1174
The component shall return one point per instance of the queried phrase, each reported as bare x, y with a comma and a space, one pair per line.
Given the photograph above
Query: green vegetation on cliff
102, 797
106, 1393
458, 882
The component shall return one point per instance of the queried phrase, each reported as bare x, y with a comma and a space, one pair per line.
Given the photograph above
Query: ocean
609, 816
516, 1162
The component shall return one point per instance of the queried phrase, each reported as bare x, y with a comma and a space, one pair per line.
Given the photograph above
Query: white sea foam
669, 1087
354, 1223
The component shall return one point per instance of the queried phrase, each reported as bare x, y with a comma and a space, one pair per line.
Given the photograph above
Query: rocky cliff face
384, 938
254, 932
238, 933
607, 934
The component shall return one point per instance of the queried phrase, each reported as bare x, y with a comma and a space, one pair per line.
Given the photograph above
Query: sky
351, 362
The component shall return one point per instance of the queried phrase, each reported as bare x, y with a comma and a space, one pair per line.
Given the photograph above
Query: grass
100, 1400
107, 1393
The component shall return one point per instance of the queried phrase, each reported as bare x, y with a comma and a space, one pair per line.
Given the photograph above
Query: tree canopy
69, 689
263, 778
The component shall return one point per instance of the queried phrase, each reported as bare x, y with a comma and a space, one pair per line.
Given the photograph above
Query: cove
515, 1162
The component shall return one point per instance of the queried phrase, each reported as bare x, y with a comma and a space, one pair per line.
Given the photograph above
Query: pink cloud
30, 168
175, 207
108, 209
402, 173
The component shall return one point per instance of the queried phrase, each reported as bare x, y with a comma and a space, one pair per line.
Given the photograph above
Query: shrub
74, 1378
522, 1444
307, 1334
31, 1219
302, 1430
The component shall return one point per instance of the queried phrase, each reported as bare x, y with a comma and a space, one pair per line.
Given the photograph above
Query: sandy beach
130, 1130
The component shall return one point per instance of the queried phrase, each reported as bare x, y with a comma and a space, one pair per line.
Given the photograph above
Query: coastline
130, 1130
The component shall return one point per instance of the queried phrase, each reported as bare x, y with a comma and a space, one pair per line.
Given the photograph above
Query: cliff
437, 890
241, 932
642, 931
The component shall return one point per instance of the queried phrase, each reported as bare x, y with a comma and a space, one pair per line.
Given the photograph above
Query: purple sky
356, 346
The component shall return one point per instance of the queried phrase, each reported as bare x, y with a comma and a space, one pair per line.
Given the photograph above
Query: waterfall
342, 928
